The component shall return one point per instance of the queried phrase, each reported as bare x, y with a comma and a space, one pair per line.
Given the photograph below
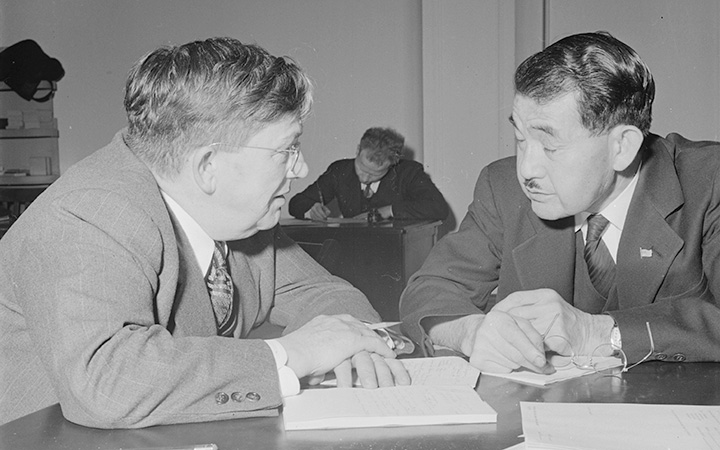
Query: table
378, 258
653, 382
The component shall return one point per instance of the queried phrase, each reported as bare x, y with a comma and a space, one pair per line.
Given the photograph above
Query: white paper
613, 426
564, 370
392, 406
439, 371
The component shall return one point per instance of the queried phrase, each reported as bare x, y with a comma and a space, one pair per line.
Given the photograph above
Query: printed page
392, 406
440, 371
612, 426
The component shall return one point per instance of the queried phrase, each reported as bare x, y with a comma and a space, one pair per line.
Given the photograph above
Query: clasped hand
341, 343
513, 334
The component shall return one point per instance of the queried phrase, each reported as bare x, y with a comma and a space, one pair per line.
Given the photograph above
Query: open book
442, 392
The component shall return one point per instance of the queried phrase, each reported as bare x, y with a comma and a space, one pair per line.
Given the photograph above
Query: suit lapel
555, 243
192, 313
648, 244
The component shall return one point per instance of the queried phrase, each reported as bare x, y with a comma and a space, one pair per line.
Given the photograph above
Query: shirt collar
615, 212
202, 244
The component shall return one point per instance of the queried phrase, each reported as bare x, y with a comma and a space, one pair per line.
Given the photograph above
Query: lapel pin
646, 253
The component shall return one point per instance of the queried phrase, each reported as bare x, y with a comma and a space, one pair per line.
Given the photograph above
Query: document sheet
613, 426
442, 392
564, 370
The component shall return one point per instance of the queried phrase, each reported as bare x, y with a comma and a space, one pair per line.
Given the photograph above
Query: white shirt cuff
289, 383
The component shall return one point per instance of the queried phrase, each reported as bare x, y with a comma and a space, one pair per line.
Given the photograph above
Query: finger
365, 368
383, 373
399, 372
343, 374
314, 380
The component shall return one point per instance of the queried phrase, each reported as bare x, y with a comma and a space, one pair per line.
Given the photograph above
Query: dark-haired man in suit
597, 232
376, 179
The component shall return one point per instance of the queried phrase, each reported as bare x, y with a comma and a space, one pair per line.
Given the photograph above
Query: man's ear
204, 164
625, 143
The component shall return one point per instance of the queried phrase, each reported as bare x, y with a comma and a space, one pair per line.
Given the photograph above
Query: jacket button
679, 357
661, 356
221, 398
237, 397
253, 396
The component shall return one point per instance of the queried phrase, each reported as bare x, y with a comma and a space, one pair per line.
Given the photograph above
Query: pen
322, 201
179, 447
552, 322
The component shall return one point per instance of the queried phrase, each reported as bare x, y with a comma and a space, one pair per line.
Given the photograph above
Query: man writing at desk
129, 289
376, 179
597, 231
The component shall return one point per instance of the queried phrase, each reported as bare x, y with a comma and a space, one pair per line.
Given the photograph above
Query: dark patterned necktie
368, 192
601, 266
220, 287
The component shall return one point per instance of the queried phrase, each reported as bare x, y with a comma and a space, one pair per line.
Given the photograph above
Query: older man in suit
129, 290
597, 233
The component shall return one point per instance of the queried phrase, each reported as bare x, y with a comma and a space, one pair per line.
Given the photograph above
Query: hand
385, 212
325, 342
319, 212
500, 343
581, 332
373, 370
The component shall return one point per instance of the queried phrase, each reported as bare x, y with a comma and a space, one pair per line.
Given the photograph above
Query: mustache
531, 184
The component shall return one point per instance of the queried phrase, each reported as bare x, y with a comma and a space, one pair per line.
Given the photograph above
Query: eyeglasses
292, 153
596, 361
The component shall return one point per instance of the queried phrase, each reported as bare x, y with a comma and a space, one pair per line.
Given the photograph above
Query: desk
378, 259
654, 382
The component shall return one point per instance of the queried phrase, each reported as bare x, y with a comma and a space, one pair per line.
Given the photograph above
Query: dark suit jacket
406, 187
104, 308
675, 212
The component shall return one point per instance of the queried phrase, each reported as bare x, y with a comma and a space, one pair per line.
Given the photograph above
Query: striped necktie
368, 192
601, 266
220, 288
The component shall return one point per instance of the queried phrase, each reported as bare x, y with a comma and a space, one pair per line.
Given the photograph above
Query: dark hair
612, 84
382, 144
182, 97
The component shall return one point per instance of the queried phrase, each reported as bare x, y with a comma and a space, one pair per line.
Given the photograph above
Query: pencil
322, 201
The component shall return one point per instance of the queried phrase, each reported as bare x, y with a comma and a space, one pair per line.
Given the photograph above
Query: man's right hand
326, 342
319, 212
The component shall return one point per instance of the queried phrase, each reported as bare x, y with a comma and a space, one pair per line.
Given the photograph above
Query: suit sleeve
461, 271
302, 202
304, 289
421, 199
96, 293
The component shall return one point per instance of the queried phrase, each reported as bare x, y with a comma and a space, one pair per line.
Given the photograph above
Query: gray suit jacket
674, 212
104, 308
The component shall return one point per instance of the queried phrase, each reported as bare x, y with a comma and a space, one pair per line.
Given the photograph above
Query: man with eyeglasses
377, 179
131, 288
597, 237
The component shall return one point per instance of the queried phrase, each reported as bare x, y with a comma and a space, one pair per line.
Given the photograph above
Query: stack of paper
611, 426
442, 392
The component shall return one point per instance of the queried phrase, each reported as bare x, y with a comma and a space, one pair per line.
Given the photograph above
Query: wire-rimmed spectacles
591, 362
292, 153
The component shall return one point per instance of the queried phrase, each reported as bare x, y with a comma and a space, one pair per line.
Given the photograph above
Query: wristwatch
615, 338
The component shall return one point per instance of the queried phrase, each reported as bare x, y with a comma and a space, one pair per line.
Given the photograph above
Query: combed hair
217, 90
383, 144
613, 86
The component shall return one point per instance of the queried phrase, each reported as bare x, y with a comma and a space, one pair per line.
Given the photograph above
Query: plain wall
363, 56
439, 71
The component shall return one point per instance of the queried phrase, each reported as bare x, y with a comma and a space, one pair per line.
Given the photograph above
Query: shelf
27, 180
28, 133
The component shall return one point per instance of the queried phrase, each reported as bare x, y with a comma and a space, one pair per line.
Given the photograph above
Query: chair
326, 254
